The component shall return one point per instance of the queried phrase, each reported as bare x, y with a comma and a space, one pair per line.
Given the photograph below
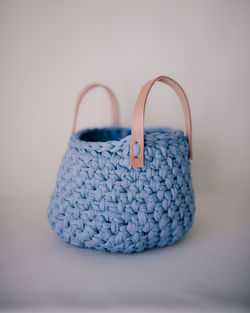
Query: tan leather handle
137, 135
113, 99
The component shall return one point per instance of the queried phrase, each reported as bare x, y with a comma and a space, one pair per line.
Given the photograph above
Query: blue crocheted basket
105, 199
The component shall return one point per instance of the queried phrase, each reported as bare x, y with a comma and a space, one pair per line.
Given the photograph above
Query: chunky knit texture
101, 202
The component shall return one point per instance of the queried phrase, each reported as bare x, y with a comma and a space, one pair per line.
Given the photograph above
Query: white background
49, 51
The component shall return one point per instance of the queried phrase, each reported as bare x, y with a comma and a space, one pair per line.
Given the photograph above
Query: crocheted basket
125, 192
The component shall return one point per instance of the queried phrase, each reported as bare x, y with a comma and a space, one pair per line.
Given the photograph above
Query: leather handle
113, 99
137, 135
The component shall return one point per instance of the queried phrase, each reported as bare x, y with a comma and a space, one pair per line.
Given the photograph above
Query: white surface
207, 271
50, 49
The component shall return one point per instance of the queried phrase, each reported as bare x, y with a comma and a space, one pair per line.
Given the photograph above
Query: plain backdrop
49, 51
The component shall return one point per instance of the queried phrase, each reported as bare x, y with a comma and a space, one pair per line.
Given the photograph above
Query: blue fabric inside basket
117, 133
105, 134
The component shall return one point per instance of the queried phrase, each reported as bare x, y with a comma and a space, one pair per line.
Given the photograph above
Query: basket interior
104, 134
117, 133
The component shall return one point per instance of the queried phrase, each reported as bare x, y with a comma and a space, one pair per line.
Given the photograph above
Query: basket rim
149, 134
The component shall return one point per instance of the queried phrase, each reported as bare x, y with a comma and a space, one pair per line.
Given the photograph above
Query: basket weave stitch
101, 202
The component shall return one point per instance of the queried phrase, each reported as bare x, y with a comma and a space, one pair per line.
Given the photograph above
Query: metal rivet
136, 149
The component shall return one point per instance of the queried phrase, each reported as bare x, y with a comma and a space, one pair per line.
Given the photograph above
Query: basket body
101, 202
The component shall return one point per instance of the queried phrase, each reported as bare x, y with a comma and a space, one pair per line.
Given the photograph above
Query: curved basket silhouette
100, 201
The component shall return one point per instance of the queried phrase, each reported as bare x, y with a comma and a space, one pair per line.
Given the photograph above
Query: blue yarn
101, 202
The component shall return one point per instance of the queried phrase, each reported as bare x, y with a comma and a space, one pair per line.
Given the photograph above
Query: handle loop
137, 135
113, 99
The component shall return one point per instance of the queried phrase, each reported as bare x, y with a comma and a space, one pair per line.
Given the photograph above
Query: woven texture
101, 202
